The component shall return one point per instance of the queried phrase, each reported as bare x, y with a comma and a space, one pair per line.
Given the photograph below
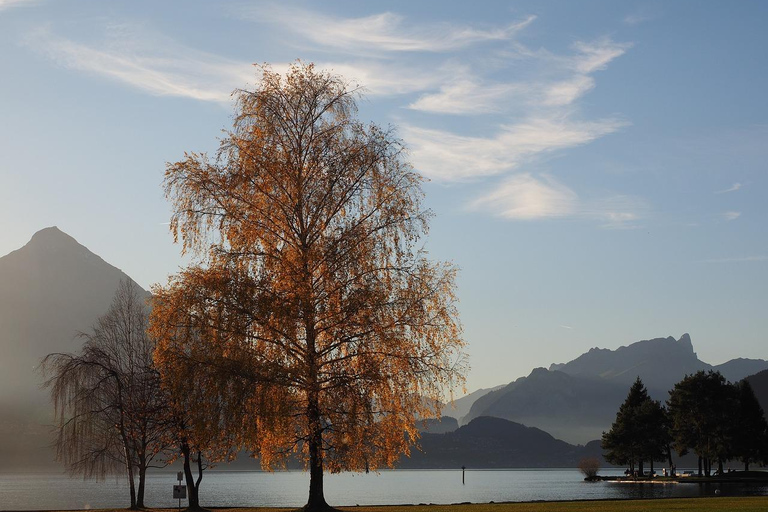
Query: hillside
53, 288
487, 442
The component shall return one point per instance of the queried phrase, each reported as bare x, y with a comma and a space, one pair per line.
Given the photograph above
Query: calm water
233, 488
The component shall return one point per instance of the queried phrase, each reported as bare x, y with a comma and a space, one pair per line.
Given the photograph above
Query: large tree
640, 432
108, 401
312, 314
703, 410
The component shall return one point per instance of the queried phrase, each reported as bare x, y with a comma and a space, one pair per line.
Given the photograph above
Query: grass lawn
719, 504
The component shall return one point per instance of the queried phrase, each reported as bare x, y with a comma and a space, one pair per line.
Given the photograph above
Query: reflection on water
253, 488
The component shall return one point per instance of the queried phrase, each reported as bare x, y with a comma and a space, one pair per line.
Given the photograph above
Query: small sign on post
179, 491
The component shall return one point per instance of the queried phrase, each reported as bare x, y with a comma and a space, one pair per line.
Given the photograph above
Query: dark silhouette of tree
703, 409
751, 429
107, 399
640, 432
321, 325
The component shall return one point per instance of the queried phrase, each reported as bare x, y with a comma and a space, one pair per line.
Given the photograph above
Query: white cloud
447, 156
567, 91
380, 32
731, 215
466, 95
525, 197
156, 65
733, 188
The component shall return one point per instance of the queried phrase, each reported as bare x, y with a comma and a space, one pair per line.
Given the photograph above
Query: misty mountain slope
52, 288
573, 408
461, 406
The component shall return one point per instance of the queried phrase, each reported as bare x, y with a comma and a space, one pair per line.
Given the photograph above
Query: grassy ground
715, 504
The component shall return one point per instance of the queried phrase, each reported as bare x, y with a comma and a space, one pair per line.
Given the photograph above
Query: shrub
589, 467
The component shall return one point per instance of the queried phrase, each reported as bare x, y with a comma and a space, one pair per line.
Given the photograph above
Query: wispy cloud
566, 327
7, 4
152, 63
738, 259
525, 197
446, 156
733, 188
380, 32
729, 216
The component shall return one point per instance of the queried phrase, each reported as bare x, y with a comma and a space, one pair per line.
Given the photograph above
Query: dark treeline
716, 420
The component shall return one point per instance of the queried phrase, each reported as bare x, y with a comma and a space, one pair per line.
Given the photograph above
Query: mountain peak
685, 340
51, 235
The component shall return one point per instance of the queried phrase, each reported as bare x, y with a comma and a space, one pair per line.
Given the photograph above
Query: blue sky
597, 168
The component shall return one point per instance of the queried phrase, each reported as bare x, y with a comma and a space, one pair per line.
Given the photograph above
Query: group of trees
716, 420
311, 325
113, 413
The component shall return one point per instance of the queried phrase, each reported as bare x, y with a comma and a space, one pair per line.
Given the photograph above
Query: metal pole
462, 474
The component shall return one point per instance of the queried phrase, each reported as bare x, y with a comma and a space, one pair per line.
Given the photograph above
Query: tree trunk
650, 470
707, 467
720, 467
192, 486
316, 501
746, 465
640, 468
700, 472
142, 481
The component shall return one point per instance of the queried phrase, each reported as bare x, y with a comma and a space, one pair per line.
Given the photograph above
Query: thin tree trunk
650, 470
142, 481
720, 467
640, 468
700, 472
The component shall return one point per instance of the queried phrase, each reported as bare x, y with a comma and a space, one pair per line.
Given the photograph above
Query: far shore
705, 504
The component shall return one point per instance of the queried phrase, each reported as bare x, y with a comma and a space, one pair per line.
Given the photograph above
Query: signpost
179, 491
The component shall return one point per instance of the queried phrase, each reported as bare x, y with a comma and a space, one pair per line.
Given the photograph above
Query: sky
597, 169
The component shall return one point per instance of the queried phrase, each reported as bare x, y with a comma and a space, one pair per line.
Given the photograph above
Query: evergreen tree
640, 432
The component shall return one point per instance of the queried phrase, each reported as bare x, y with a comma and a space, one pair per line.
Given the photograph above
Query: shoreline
496, 506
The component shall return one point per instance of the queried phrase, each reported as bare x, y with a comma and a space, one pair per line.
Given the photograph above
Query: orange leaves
311, 322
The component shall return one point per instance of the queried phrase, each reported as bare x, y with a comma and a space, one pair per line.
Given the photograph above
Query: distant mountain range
52, 288
578, 400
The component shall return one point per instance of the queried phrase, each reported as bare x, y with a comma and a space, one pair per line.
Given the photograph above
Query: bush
589, 467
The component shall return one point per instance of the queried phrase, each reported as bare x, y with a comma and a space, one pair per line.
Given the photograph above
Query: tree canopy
311, 315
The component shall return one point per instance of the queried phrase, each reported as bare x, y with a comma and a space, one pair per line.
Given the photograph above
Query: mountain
52, 288
578, 400
461, 406
737, 369
759, 383
577, 409
659, 362
488, 442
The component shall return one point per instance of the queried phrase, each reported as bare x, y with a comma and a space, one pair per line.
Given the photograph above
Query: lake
36, 491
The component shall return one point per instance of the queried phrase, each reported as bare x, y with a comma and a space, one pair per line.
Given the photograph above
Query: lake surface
37, 491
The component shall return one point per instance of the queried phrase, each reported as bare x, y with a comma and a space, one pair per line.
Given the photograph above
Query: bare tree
107, 399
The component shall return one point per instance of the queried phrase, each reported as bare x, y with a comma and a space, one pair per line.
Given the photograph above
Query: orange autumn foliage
311, 323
